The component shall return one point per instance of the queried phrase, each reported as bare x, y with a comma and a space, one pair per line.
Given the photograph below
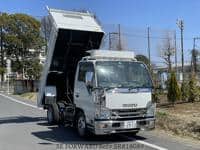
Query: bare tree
167, 50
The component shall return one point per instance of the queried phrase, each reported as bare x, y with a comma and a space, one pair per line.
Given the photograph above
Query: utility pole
180, 24
109, 36
149, 50
45, 36
119, 33
1, 42
175, 48
8, 68
194, 55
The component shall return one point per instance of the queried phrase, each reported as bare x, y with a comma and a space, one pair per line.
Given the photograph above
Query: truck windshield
122, 74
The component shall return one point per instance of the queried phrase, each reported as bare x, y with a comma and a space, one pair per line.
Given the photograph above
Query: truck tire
53, 114
81, 124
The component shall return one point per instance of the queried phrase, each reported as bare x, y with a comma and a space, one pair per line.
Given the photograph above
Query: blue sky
158, 14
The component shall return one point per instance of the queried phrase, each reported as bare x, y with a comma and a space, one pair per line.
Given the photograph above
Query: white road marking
145, 143
151, 145
20, 102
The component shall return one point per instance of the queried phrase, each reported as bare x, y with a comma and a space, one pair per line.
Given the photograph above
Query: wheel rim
81, 125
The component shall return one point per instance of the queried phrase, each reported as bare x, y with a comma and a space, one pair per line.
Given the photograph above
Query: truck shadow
63, 134
66, 135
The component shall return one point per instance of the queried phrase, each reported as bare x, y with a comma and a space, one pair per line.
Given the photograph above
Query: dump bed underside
70, 47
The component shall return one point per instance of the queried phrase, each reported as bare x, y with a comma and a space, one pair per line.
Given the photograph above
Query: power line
152, 37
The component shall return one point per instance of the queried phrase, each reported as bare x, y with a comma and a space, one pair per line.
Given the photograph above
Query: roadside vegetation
22, 42
174, 93
182, 120
30, 96
178, 109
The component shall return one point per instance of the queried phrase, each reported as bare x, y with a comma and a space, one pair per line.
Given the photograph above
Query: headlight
151, 109
103, 113
100, 99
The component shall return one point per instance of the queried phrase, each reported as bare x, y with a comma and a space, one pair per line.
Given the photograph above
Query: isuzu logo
130, 105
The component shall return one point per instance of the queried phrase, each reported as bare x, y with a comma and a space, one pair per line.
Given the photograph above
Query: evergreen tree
174, 92
193, 90
184, 91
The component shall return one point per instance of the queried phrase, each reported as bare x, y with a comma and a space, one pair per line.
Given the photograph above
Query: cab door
83, 96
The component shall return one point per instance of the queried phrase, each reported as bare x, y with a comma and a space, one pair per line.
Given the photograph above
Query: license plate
130, 124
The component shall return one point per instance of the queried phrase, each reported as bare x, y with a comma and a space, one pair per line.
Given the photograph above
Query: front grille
128, 113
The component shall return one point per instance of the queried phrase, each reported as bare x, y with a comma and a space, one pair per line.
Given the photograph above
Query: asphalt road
23, 126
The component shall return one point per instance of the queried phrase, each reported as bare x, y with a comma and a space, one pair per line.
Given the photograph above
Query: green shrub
2, 70
161, 114
184, 91
155, 97
198, 89
193, 89
174, 92
155, 94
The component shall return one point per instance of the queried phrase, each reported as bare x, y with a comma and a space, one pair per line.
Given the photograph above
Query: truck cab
113, 90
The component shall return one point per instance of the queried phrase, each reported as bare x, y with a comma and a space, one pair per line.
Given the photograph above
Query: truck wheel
81, 124
53, 114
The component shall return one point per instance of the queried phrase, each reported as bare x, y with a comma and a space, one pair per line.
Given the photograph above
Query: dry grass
182, 119
29, 96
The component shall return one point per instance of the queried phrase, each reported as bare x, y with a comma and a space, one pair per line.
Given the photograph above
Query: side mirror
88, 79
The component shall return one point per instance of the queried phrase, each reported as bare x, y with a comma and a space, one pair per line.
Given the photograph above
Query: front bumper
115, 126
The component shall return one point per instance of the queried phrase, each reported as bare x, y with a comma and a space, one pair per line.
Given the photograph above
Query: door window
83, 68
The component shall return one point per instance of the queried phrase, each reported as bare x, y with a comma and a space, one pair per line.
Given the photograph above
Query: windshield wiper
123, 86
139, 87
109, 88
113, 87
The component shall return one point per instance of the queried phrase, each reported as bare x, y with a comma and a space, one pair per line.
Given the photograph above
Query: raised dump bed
72, 34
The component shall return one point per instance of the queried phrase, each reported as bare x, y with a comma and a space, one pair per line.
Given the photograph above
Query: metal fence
19, 86
7, 87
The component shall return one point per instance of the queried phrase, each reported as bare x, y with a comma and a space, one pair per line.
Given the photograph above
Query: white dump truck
94, 90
